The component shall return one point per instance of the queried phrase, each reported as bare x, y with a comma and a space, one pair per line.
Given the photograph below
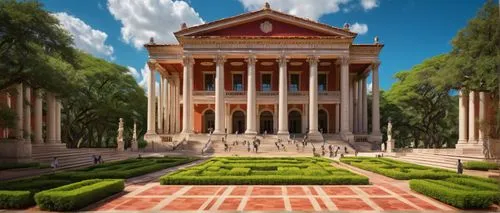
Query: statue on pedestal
390, 142
119, 139
134, 145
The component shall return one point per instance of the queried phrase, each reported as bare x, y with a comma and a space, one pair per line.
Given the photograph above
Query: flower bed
264, 171
77, 195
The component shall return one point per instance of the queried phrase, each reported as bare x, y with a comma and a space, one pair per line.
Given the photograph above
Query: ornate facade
264, 72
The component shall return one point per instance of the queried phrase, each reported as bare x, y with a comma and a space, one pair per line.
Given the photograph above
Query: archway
294, 122
208, 120
322, 121
266, 122
238, 122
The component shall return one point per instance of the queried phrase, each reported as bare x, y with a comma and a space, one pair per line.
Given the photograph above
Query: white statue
389, 131
134, 145
119, 139
390, 145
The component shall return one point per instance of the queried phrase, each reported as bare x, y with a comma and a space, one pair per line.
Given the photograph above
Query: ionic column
482, 116
365, 107
177, 104
219, 95
19, 112
38, 137
151, 101
283, 97
472, 117
344, 90
159, 104
58, 107
167, 106
337, 118
27, 114
186, 94
375, 101
51, 118
251, 96
351, 104
359, 106
462, 117
313, 96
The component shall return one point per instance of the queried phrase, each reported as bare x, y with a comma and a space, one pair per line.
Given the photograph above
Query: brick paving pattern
374, 197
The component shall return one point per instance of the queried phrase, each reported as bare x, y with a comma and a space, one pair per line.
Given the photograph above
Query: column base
251, 132
462, 141
315, 136
283, 135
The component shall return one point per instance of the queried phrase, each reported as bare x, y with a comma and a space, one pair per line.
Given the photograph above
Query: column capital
187, 60
282, 59
344, 59
375, 65
220, 59
313, 60
251, 59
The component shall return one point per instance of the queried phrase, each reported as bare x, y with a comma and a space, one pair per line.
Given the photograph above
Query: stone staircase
73, 158
445, 161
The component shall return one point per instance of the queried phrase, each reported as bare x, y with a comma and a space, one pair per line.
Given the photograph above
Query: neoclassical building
264, 72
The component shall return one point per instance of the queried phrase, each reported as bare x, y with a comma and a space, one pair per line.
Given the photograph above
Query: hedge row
264, 171
5, 166
77, 195
455, 194
480, 165
10, 198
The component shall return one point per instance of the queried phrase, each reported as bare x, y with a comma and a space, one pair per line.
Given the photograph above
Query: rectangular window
294, 82
209, 82
238, 82
266, 82
322, 82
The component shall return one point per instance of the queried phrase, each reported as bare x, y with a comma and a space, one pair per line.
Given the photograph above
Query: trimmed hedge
6, 166
264, 171
455, 194
480, 165
77, 195
16, 199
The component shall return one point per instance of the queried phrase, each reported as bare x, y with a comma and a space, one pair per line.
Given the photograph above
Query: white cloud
369, 4
369, 87
84, 36
144, 19
134, 73
312, 9
359, 28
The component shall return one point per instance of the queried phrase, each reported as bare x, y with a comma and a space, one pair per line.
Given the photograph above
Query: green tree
102, 92
421, 112
474, 62
34, 49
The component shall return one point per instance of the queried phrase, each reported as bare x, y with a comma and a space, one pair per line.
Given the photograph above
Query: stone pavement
375, 197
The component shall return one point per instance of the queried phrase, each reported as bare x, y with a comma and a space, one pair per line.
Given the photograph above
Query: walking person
55, 163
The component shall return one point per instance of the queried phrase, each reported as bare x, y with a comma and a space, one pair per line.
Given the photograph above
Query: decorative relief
266, 27
325, 63
296, 63
207, 63
266, 63
236, 63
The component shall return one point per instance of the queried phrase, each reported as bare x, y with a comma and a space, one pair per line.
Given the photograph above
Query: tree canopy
34, 49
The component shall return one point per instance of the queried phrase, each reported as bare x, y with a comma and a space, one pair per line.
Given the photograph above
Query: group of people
251, 146
280, 146
97, 159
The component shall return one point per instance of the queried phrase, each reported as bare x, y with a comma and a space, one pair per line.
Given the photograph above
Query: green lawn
461, 191
262, 171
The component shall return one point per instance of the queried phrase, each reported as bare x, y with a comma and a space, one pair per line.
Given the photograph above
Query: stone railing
235, 93
329, 93
361, 138
267, 93
298, 93
203, 93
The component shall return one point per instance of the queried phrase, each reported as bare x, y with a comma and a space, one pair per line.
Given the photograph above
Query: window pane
210, 82
238, 82
266, 82
294, 82
322, 82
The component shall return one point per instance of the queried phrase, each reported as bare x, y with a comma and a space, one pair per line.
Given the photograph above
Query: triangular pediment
265, 22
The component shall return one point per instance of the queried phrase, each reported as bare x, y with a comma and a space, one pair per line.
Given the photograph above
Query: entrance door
322, 121
266, 122
294, 122
208, 121
238, 122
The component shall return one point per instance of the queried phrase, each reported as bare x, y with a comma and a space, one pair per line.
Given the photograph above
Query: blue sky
412, 30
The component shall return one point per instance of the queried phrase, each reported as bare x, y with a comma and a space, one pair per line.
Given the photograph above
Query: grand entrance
208, 121
238, 122
294, 122
322, 121
266, 122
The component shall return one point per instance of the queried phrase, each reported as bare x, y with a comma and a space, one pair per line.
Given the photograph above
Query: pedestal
390, 145
315, 136
15, 151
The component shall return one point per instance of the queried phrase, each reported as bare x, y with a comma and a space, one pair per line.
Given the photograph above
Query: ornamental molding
266, 45
266, 27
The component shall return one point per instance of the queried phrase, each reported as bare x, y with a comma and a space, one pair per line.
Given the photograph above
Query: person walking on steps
460, 167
